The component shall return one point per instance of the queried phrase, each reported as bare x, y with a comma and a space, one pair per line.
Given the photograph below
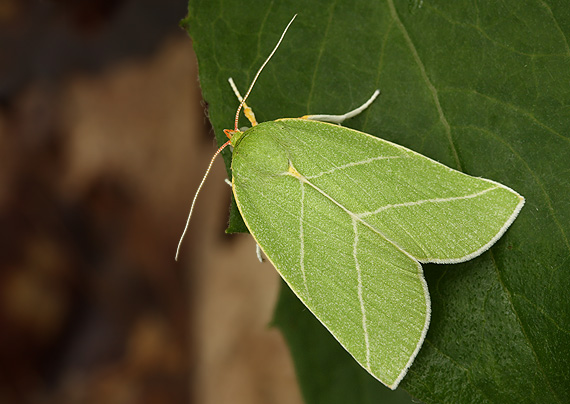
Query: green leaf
481, 87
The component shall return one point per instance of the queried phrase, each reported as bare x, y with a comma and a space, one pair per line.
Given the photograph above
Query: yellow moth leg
247, 111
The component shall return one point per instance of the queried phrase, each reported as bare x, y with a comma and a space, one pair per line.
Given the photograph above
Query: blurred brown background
103, 141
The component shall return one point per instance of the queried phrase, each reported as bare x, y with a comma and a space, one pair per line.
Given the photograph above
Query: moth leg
247, 111
228, 182
340, 118
258, 252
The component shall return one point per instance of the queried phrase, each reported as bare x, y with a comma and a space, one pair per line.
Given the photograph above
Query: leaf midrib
428, 82
447, 129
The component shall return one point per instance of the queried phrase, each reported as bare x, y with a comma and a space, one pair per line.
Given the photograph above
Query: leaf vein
485, 35
428, 82
319, 57
520, 323
460, 366
557, 26
513, 107
536, 179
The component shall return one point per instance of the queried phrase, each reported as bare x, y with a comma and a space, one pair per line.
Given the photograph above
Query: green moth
346, 219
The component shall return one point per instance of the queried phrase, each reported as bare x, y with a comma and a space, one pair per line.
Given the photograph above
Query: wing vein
421, 202
302, 240
360, 297
352, 164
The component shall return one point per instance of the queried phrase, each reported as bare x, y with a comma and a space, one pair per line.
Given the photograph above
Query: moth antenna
242, 103
259, 72
222, 147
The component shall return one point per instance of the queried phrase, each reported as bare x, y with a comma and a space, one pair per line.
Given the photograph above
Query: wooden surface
97, 171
